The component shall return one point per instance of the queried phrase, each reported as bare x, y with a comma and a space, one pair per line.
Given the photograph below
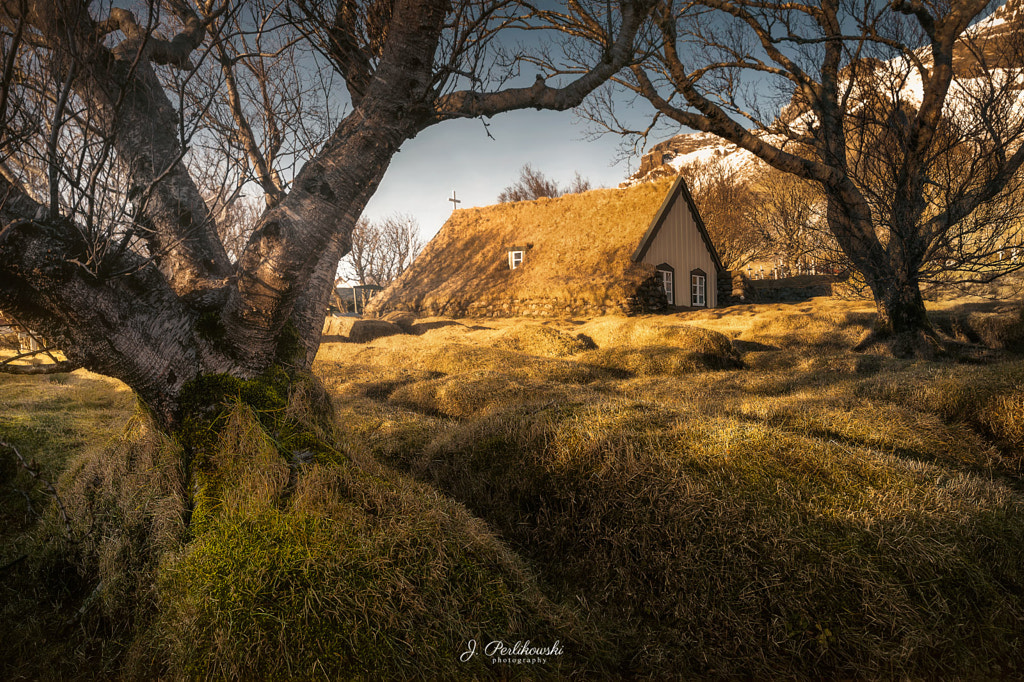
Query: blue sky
458, 155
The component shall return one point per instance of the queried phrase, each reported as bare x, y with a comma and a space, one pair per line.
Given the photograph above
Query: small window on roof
515, 259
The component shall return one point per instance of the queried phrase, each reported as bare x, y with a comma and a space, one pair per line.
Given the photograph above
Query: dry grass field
725, 493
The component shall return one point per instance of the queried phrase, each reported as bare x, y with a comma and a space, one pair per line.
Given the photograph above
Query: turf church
634, 250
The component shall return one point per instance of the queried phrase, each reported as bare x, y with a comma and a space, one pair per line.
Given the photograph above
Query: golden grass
357, 572
537, 339
819, 513
725, 493
54, 421
292, 567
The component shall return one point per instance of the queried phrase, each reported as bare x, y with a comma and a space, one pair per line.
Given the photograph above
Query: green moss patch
361, 574
292, 409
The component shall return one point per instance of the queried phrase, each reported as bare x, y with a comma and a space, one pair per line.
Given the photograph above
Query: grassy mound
56, 421
432, 359
655, 331
646, 361
788, 555
996, 325
989, 398
649, 347
284, 560
808, 329
535, 339
477, 394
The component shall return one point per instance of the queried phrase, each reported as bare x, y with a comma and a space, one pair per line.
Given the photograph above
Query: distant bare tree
578, 185
790, 217
532, 184
381, 251
237, 216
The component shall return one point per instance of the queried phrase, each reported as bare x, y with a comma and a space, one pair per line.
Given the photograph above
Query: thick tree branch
470, 103
711, 118
134, 328
129, 103
176, 51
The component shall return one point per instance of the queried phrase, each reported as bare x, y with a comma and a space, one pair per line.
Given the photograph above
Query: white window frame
698, 290
515, 259
668, 285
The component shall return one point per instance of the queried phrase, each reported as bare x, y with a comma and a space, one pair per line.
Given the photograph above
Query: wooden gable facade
678, 246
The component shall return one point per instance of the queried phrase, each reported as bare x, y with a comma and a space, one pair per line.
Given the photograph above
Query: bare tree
791, 221
861, 99
532, 184
259, 104
578, 185
381, 251
145, 291
261, 100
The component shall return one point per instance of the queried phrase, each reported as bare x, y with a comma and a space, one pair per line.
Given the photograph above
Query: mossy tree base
278, 420
274, 555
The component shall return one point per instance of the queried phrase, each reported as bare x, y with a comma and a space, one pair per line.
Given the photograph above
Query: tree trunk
181, 312
889, 272
901, 307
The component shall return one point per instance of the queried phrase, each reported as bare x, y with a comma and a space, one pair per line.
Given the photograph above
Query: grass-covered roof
578, 249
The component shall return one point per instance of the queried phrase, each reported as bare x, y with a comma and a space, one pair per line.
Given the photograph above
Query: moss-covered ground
730, 493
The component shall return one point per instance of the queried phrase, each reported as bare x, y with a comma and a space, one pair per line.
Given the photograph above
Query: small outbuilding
352, 300
639, 249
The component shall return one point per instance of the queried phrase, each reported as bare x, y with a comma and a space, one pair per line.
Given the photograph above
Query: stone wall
649, 297
799, 288
734, 288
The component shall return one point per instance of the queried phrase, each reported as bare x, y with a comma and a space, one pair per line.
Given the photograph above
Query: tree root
925, 345
54, 368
